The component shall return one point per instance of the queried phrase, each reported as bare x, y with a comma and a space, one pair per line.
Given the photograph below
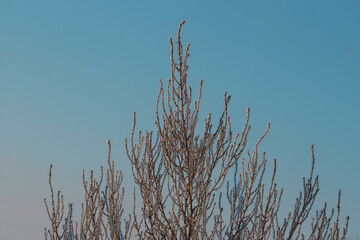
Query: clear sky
73, 72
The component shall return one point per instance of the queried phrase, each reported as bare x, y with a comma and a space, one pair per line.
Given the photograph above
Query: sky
73, 72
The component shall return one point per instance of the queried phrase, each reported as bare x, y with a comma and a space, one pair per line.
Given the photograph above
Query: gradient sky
73, 72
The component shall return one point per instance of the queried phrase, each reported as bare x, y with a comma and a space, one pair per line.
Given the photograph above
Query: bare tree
101, 215
181, 161
175, 171
180, 173
56, 214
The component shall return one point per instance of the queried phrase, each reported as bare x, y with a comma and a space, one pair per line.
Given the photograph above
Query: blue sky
73, 72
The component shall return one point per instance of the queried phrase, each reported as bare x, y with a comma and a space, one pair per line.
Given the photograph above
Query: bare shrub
179, 174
